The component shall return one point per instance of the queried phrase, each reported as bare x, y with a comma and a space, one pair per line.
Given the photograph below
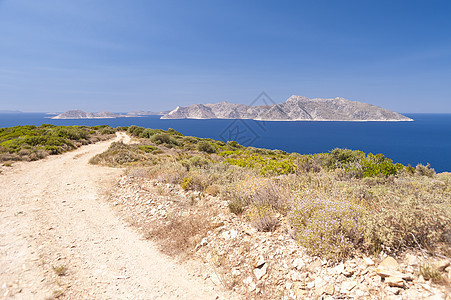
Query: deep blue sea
426, 140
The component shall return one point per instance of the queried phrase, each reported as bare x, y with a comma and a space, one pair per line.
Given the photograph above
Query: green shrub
148, 133
172, 131
135, 130
147, 148
161, 138
187, 183
206, 147
267, 164
46, 138
233, 145
72, 133
107, 130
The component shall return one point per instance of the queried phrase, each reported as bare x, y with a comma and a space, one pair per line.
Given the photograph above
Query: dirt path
51, 217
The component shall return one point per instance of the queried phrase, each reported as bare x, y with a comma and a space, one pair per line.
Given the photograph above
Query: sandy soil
52, 217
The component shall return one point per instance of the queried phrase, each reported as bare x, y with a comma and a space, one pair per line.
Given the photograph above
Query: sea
425, 140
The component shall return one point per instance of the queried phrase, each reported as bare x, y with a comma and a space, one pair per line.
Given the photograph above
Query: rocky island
296, 108
79, 114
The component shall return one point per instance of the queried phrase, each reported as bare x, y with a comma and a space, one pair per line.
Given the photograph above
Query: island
79, 114
296, 108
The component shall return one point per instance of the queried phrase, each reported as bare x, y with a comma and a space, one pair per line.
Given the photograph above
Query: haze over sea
426, 140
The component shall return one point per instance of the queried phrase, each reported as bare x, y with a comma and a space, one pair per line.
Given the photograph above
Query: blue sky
123, 55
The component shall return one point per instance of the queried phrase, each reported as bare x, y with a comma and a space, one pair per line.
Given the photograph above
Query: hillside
337, 225
296, 108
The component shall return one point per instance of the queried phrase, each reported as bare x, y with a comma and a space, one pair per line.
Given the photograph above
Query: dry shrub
213, 190
199, 179
327, 227
183, 230
424, 170
259, 191
138, 172
396, 212
407, 223
430, 273
263, 217
172, 175
118, 154
9, 157
167, 171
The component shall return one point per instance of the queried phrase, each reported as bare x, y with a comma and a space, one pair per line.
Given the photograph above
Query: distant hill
79, 114
147, 113
296, 108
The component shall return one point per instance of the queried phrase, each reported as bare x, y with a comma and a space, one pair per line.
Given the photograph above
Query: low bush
327, 227
430, 273
213, 190
424, 170
206, 147
118, 154
263, 217
182, 231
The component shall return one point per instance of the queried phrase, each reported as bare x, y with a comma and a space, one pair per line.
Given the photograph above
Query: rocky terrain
79, 114
270, 265
296, 108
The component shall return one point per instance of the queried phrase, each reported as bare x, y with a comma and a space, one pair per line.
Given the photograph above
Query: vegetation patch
28, 143
337, 203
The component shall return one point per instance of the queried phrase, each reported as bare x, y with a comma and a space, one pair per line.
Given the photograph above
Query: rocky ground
270, 265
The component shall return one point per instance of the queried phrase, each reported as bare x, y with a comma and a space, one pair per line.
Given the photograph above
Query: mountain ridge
295, 108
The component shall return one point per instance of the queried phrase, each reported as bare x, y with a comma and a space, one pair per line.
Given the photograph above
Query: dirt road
51, 219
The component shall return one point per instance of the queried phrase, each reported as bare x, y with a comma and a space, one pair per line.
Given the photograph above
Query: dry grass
60, 270
430, 273
183, 229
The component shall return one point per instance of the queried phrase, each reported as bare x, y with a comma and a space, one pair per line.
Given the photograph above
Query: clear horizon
153, 56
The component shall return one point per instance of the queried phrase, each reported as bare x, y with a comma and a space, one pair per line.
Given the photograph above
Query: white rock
441, 265
412, 260
394, 281
298, 264
252, 286
260, 261
319, 282
204, 242
248, 280
347, 286
260, 272
368, 261
295, 276
389, 263
339, 268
